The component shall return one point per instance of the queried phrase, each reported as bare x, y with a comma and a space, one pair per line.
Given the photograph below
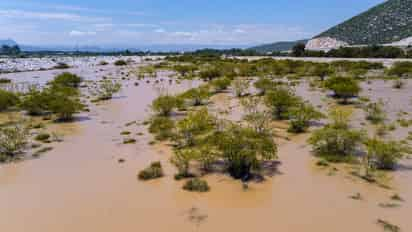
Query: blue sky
137, 22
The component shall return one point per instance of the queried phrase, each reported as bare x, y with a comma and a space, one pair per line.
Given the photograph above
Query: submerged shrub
240, 86
13, 139
197, 95
301, 116
35, 102
165, 104
162, 127
120, 63
196, 185
67, 79
264, 85
384, 154
7, 100
343, 87
280, 101
221, 84
107, 88
375, 113
64, 101
400, 69
195, 124
154, 171
43, 137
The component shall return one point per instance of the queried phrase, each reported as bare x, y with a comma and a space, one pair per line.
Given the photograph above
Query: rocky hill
385, 23
277, 47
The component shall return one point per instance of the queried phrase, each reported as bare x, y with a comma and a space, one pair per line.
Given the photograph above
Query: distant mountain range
278, 46
385, 23
8, 42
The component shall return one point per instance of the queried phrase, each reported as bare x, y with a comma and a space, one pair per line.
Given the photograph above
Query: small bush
120, 63
129, 141
221, 84
106, 89
7, 100
165, 104
4, 81
343, 87
154, 171
196, 185
61, 65
43, 137
13, 140
162, 127
67, 79
375, 112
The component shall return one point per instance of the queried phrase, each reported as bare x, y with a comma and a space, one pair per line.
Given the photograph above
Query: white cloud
75, 33
22, 14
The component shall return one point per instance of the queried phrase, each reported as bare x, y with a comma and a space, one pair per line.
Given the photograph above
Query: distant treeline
10, 50
374, 51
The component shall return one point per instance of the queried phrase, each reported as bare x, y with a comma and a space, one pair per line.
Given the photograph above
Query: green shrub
165, 104
384, 154
35, 102
196, 185
400, 69
13, 140
107, 88
301, 116
64, 102
195, 124
375, 113
221, 84
343, 87
120, 63
181, 160
154, 171
280, 101
7, 100
264, 85
210, 73
129, 141
43, 137
162, 127
67, 79
197, 95
4, 81
243, 149
240, 86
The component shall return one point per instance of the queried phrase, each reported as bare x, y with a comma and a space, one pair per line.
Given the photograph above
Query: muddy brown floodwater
81, 186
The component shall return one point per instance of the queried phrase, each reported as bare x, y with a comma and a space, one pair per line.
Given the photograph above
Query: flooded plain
80, 185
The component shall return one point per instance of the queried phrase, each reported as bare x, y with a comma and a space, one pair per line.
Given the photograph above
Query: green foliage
336, 142
107, 88
67, 79
198, 96
35, 102
298, 50
43, 137
301, 116
7, 100
375, 112
195, 124
343, 87
165, 104
13, 140
240, 86
181, 159
243, 149
154, 171
384, 154
210, 73
120, 63
280, 101
400, 69
386, 23
162, 127
221, 84
5, 81
196, 185
185, 70
264, 85
64, 102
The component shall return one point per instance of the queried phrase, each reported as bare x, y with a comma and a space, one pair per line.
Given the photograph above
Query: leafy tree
7, 100
67, 79
107, 88
221, 84
264, 85
343, 87
384, 154
375, 112
197, 95
240, 86
195, 124
35, 102
280, 101
244, 149
299, 50
13, 140
64, 101
336, 141
162, 127
301, 116
165, 104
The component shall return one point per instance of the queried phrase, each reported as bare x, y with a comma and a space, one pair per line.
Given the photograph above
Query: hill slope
277, 47
8, 42
388, 22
